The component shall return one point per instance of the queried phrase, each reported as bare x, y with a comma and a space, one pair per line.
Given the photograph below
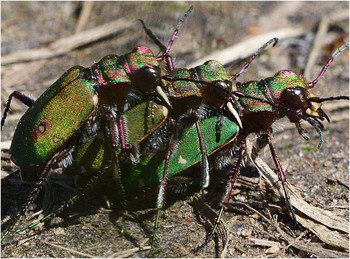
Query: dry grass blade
69, 250
322, 30
64, 45
311, 248
246, 48
130, 252
84, 16
324, 224
206, 211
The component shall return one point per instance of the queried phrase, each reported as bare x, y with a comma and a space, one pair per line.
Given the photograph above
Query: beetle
263, 103
76, 105
99, 129
191, 92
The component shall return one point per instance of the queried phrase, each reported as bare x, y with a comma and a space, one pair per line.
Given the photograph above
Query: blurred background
42, 40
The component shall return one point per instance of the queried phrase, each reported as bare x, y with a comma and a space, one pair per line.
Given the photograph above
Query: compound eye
227, 85
296, 97
146, 77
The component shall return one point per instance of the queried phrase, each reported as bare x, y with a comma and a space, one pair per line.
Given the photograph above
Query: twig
206, 211
324, 224
315, 249
295, 240
263, 242
339, 16
64, 45
68, 249
21, 242
5, 145
129, 252
246, 48
322, 30
84, 15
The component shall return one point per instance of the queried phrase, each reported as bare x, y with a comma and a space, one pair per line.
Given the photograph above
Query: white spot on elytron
41, 128
56, 139
165, 111
95, 100
181, 160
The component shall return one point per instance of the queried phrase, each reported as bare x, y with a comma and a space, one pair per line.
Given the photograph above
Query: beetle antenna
336, 53
177, 30
152, 36
273, 40
333, 98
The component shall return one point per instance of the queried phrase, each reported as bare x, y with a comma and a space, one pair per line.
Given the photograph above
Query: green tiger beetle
263, 102
194, 94
176, 131
72, 156
91, 151
52, 127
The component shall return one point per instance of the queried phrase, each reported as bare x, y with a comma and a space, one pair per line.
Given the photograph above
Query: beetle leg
19, 96
90, 184
120, 129
34, 194
226, 198
281, 176
115, 128
163, 183
205, 163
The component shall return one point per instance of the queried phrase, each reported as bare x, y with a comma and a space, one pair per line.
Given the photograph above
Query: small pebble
59, 231
327, 164
273, 250
246, 233
255, 216
338, 155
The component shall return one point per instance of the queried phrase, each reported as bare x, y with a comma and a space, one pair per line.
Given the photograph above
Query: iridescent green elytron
52, 120
187, 154
57, 116
140, 122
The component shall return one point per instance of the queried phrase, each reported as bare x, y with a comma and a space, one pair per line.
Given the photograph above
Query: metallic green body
138, 123
119, 75
276, 84
52, 119
65, 106
210, 72
150, 170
